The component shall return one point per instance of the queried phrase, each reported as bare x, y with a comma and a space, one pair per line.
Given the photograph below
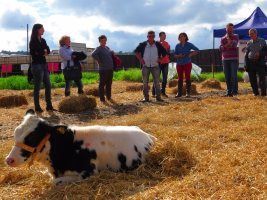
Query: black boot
67, 93
180, 89
188, 88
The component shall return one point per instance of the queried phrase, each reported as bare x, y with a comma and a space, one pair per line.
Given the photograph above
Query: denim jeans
164, 70
77, 82
41, 74
230, 68
155, 71
105, 83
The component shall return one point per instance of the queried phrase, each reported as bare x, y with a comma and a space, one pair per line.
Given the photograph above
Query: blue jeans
230, 68
41, 74
77, 82
145, 75
164, 70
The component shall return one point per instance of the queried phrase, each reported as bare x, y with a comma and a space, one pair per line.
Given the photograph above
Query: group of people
154, 57
254, 61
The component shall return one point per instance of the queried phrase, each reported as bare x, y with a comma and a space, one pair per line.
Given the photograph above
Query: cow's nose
10, 161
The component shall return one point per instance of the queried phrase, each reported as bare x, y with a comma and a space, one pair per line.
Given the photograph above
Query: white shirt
151, 55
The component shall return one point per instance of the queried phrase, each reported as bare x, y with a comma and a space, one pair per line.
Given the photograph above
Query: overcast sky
124, 22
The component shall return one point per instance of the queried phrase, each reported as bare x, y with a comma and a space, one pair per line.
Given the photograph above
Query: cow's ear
30, 111
61, 129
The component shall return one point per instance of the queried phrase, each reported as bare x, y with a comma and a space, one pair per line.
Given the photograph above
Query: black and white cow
72, 153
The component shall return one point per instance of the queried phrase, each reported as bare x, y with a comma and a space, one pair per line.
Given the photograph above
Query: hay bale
13, 101
173, 83
211, 83
135, 87
92, 91
193, 90
41, 94
76, 104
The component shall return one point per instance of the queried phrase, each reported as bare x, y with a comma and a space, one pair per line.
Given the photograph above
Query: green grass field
57, 80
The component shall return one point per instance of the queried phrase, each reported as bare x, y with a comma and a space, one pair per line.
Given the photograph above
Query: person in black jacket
255, 62
38, 50
149, 53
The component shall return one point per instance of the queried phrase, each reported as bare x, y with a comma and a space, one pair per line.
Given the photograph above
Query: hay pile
193, 90
211, 83
92, 91
13, 101
173, 83
135, 87
76, 104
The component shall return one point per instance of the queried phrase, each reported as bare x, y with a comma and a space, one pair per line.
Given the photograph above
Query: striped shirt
231, 52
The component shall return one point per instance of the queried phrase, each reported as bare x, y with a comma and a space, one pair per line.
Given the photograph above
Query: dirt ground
209, 146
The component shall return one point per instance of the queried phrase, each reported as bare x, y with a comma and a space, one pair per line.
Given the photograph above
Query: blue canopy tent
257, 20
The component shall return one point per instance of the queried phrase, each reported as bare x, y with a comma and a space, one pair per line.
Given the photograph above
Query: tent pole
212, 64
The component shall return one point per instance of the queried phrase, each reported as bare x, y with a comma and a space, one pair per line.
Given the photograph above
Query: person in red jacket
163, 64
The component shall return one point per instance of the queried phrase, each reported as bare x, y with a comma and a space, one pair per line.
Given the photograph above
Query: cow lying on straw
74, 153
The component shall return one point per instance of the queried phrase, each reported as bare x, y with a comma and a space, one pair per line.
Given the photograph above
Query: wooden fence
205, 59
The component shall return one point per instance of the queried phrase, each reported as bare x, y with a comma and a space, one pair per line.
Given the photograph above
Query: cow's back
119, 148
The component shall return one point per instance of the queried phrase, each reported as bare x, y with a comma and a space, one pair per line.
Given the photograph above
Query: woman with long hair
38, 50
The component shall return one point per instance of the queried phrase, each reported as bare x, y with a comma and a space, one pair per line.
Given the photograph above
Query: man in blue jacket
149, 53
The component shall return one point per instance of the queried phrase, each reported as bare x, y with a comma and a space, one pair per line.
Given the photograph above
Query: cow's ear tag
61, 129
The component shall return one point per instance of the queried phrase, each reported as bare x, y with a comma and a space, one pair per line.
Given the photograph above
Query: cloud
153, 12
14, 20
124, 22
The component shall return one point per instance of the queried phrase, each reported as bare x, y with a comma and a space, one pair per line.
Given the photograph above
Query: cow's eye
25, 154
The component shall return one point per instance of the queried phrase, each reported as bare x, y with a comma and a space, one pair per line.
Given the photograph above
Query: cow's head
28, 136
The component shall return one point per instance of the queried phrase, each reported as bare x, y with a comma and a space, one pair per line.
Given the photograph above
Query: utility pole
27, 39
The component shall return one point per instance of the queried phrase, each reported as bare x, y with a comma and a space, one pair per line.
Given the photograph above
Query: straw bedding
214, 148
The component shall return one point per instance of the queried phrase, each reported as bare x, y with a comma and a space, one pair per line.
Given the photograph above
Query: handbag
72, 72
117, 64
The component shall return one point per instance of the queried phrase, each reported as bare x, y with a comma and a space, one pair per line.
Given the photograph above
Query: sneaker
145, 100
178, 95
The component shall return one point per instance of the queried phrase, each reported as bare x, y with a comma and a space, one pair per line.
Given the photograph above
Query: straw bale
41, 94
92, 91
76, 104
173, 83
135, 87
193, 90
13, 101
211, 83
